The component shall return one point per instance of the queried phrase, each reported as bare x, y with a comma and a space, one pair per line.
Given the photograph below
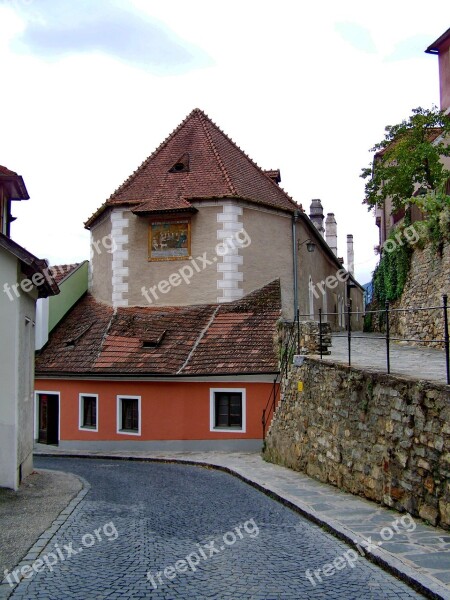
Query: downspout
294, 260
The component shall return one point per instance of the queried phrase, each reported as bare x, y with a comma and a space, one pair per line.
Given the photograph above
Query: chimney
350, 255
331, 232
316, 215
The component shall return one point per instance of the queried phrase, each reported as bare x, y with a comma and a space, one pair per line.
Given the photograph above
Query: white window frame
81, 427
212, 410
119, 399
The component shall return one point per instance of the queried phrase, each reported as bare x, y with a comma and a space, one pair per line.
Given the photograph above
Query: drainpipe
295, 217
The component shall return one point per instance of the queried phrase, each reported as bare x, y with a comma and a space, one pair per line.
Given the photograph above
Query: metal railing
292, 343
387, 313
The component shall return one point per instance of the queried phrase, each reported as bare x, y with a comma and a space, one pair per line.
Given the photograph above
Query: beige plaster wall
202, 286
101, 260
269, 255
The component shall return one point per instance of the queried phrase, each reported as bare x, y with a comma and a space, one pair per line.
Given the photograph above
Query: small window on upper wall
169, 239
88, 412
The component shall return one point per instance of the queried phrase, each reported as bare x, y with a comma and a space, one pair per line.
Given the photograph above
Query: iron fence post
320, 332
446, 340
349, 334
388, 357
298, 331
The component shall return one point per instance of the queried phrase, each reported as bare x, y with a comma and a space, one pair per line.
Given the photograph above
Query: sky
91, 87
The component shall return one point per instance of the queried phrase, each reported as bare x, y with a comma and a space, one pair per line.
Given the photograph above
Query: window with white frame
228, 409
129, 415
88, 411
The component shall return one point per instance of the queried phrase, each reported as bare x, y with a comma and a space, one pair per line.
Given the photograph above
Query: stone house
386, 218
195, 259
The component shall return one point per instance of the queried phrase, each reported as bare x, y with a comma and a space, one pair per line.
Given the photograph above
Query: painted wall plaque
170, 240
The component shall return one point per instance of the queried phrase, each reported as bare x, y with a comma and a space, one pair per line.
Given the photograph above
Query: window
88, 412
129, 415
227, 409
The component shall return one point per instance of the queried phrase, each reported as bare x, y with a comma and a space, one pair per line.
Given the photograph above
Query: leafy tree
409, 159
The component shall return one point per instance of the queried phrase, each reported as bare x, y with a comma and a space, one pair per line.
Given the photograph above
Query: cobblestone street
163, 512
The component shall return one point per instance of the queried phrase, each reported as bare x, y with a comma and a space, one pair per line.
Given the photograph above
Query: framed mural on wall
169, 240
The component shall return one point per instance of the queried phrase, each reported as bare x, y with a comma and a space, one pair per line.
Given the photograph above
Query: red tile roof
60, 272
195, 340
217, 168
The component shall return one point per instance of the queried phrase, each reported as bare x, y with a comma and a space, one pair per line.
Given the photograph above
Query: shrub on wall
390, 276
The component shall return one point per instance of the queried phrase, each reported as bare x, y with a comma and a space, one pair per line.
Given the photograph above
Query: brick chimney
331, 232
316, 215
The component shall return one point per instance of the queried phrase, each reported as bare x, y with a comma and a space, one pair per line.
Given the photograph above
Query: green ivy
390, 276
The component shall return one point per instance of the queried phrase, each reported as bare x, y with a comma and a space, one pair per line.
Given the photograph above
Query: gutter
295, 218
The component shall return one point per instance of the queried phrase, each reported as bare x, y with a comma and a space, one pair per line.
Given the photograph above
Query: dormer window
182, 165
154, 341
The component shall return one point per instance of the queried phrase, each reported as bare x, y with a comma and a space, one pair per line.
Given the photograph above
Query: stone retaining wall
370, 434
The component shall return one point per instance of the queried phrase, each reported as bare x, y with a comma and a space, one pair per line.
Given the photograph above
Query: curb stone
45, 539
420, 582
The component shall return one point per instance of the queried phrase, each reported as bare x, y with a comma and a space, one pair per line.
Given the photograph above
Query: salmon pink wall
169, 410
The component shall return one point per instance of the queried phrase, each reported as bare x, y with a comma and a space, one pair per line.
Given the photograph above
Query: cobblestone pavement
164, 512
370, 353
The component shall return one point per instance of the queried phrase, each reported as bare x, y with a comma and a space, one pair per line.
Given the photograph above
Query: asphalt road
163, 531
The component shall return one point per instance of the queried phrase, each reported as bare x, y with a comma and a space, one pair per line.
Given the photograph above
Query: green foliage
436, 228
368, 322
390, 276
408, 159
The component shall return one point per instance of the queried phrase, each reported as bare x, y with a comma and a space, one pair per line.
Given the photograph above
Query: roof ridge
136, 172
203, 116
251, 161
199, 339
164, 143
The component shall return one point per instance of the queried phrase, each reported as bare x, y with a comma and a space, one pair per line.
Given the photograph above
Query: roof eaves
436, 45
19, 184
32, 265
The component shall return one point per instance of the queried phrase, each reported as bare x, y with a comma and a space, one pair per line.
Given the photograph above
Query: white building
23, 279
